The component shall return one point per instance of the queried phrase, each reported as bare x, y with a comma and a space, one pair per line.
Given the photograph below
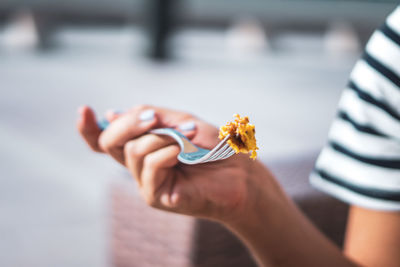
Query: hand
128, 125
221, 190
238, 192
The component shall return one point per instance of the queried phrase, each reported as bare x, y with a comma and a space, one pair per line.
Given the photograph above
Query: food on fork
242, 135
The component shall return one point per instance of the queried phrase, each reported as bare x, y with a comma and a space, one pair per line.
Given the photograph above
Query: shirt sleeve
360, 163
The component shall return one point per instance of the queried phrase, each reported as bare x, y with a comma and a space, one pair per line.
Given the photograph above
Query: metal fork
192, 154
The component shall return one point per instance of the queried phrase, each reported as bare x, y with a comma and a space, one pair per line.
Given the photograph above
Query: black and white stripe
360, 163
367, 113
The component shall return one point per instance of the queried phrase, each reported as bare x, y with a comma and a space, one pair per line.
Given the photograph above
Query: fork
190, 153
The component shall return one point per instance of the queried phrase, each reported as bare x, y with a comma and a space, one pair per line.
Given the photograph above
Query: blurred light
341, 38
246, 38
21, 32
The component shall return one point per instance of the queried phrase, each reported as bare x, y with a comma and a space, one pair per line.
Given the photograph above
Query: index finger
125, 128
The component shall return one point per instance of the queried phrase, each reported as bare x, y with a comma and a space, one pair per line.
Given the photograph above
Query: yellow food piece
242, 135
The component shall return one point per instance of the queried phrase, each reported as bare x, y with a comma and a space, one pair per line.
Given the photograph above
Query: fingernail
147, 115
187, 126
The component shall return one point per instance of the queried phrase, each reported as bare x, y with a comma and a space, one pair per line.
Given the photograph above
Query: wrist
263, 194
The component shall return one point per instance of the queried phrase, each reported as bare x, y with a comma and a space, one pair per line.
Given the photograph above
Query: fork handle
184, 143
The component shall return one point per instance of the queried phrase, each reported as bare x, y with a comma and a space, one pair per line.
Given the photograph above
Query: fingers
131, 124
188, 128
150, 160
137, 150
157, 177
126, 127
181, 121
88, 128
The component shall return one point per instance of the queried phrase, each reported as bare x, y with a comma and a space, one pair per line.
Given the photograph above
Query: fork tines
221, 151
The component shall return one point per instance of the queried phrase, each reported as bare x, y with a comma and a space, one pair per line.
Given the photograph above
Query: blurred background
281, 62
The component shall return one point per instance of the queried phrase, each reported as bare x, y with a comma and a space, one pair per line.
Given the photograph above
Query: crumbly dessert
242, 135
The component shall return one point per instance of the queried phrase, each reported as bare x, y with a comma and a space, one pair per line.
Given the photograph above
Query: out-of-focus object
21, 32
147, 237
160, 22
246, 38
341, 38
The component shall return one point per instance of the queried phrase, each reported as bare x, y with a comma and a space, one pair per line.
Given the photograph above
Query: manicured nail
187, 126
147, 115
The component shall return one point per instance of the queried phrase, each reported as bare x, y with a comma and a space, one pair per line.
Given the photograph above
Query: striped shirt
360, 164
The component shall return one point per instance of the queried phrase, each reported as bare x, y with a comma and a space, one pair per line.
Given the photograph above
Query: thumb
88, 128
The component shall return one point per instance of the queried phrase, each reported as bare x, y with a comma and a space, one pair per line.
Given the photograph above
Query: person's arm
239, 193
373, 237
279, 234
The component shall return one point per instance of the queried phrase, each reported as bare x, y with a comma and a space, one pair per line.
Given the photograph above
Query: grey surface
53, 190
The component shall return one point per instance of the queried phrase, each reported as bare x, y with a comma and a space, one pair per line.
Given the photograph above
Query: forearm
278, 234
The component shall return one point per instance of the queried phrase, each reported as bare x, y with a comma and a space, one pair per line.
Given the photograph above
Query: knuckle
104, 144
130, 149
189, 116
134, 149
150, 162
